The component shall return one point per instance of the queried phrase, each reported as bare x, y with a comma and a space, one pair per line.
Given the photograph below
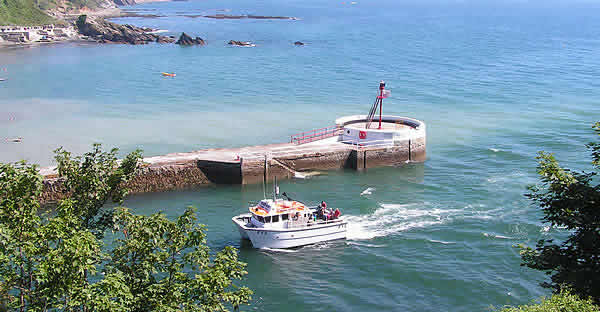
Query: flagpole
381, 87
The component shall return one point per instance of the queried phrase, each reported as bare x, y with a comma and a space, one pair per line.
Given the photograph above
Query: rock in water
185, 39
299, 43
107, 32
241, 43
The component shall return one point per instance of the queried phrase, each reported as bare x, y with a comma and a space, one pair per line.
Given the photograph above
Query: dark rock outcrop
241, 43
106, 32
299, 43
184, 39
124, 2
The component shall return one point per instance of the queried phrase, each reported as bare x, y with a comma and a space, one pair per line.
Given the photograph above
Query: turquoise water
494, 82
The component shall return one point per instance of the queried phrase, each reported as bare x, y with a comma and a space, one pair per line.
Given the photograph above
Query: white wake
389, 219
368, 191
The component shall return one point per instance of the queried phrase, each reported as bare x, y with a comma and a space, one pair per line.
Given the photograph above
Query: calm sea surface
494, 82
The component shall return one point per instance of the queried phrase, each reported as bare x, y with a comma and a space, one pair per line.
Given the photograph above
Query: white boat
285, 223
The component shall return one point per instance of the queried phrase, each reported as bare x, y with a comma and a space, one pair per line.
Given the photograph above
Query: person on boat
323, 205
322, 211
296, 216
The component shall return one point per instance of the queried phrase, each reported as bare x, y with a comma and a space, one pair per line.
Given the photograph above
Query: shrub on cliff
563, 301
56, 261
569, 200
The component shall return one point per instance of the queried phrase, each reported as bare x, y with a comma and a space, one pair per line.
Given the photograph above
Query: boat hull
241, 222
288, 238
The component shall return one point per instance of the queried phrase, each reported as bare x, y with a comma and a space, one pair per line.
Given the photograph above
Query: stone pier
255, 164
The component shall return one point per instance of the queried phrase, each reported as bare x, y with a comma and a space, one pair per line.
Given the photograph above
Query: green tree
94, 178
56, 261
44, 259
20, 187
571, 200
168, 265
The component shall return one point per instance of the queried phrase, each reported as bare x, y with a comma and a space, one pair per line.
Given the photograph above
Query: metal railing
314, 135
346, 144
376, 144
307, 222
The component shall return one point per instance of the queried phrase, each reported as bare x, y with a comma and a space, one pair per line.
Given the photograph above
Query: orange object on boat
168, 74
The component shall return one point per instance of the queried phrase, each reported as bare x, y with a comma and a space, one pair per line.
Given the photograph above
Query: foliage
563, 301
93, 179
571, 200
56, 261
33, 12
167, 249
23, 12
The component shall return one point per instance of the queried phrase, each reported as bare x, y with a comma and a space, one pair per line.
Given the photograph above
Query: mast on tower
378, 102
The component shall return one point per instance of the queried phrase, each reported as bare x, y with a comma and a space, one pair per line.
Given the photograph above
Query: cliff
43, 12
23, 12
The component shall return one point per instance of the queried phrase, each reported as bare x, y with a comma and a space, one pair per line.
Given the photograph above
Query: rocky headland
100, 30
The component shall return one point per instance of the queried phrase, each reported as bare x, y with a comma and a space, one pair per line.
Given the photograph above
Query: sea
494, 81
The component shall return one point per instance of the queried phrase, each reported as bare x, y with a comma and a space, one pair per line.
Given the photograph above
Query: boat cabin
279, 213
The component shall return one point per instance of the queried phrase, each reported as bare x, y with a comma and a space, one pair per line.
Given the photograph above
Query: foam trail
503, 237
368, 191
545, 229
364, 245
441, 242
497, 236
393, 218
299, 175
278, 250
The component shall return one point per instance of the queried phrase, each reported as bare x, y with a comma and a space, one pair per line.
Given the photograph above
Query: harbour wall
253, 165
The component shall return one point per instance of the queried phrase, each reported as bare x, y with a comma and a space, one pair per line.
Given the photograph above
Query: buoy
168, 74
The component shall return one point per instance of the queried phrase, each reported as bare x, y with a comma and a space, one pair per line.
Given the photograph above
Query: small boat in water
168, 74
286, 223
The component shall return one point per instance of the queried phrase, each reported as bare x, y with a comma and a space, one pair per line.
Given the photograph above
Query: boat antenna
264, 182
275, 188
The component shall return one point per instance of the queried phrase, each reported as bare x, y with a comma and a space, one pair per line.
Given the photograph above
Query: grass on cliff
23, 12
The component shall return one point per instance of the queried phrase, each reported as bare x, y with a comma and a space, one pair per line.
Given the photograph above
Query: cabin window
284, 217
275, 219
268, 219
260, 219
